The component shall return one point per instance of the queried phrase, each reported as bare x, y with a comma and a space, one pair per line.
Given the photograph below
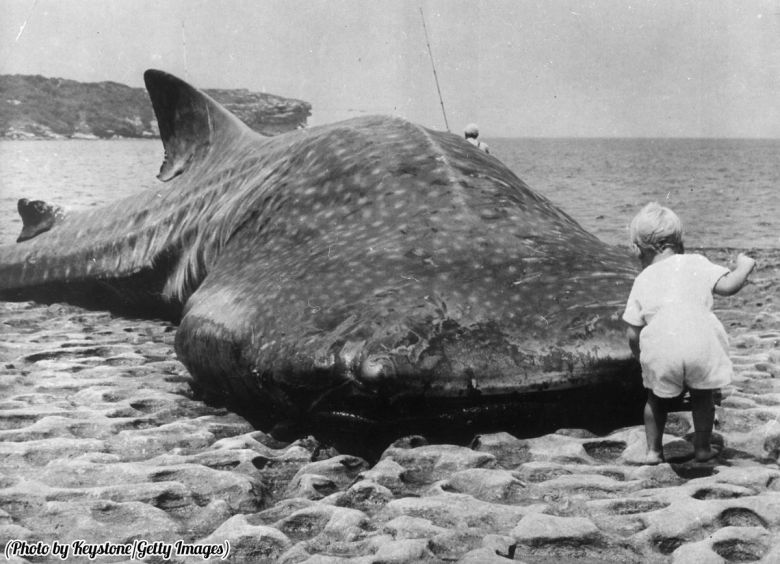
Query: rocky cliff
36, 107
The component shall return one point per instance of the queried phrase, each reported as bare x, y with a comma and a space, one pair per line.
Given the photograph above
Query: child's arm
633, 338
733, 282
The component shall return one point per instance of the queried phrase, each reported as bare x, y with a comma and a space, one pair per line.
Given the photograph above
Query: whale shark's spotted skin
355, 268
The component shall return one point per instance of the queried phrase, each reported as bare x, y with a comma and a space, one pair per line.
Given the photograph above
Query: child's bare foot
653, 457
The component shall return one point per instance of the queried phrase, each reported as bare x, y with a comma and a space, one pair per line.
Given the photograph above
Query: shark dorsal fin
37, 217
190, 121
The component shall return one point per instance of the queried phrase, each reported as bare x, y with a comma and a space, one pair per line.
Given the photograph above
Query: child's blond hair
656, 228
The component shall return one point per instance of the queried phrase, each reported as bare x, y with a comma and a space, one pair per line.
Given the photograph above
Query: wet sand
102, 440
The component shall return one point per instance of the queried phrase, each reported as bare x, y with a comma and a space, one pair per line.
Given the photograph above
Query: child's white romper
683, 342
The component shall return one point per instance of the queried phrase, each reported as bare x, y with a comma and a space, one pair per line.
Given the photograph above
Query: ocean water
725, 191
74, 174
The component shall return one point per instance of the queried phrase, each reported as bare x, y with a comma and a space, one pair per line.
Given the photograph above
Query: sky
518, 68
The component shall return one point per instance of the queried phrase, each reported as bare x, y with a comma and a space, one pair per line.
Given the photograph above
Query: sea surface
726, 191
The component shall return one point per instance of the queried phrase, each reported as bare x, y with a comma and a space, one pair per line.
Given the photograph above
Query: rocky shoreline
101, 440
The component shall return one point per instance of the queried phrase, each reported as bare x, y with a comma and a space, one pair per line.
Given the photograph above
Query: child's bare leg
703, 414
655, 421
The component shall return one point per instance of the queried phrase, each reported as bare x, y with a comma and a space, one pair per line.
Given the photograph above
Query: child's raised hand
745, 263
732, 282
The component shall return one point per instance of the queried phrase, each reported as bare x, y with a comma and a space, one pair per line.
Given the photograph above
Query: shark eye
374, 367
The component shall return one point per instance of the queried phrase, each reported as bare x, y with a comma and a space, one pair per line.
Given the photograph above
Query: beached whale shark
368, 270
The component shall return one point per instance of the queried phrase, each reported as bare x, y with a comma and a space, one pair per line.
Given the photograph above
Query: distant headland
36, 107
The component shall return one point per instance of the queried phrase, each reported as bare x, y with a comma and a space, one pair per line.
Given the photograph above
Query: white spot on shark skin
313, 308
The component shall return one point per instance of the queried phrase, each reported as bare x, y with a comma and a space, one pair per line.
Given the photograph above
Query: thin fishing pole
12, 50
433, 66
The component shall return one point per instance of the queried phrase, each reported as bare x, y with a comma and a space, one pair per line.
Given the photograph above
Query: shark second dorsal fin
37, 217
190, 121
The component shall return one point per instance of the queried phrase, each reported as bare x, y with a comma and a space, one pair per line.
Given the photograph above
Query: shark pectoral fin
37, 217
190, 122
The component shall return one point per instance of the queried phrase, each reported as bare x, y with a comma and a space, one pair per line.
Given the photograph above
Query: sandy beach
102, 441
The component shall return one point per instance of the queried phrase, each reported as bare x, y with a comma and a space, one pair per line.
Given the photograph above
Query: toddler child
671, 328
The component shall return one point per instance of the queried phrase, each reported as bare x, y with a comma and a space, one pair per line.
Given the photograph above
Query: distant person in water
672, 330
471, 133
